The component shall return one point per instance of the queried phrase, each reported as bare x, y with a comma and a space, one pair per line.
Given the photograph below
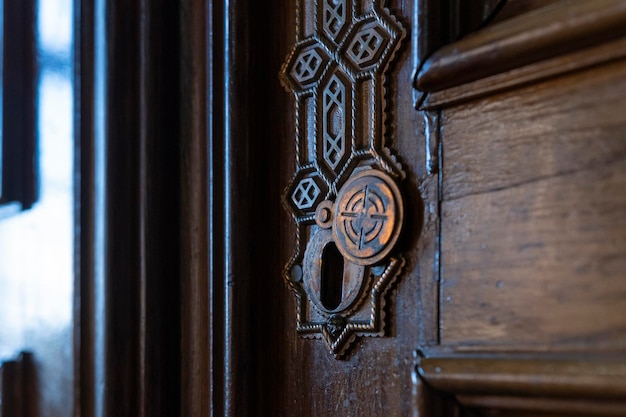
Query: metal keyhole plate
343, 196
352, 276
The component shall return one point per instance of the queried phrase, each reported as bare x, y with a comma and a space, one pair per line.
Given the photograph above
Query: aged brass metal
368, 216
344, 196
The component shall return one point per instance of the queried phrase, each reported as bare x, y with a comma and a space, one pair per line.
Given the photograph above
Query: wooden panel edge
583, 379
545, 405
542, 34
539, 71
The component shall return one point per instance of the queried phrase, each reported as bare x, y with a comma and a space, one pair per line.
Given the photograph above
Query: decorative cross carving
306, 194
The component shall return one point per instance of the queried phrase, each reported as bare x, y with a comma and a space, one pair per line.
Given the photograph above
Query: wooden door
505, 117
504, 233
532, 249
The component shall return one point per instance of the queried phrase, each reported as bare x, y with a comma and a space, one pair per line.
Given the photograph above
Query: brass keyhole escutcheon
343, 196
345, 255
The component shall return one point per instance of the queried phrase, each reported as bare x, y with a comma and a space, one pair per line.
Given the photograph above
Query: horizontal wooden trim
544, 33
567, 406
527, 377
538, 71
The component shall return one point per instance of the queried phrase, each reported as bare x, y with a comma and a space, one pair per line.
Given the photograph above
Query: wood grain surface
534, 234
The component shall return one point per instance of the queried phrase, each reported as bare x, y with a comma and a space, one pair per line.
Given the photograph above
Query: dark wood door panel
541, 131
534, 237
375, 377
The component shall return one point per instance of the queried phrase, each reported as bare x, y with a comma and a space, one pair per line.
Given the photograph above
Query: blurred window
36, 245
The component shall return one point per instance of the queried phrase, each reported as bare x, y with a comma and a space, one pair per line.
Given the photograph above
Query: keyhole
331, 288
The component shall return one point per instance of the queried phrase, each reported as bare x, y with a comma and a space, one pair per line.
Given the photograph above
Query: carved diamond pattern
306, 66
334, 12
306, 189
305, 194
333, 122
365, 49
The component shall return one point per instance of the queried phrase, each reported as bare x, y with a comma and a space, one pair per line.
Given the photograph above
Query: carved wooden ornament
344, 196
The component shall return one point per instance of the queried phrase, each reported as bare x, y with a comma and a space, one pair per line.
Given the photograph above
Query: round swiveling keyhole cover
368, 217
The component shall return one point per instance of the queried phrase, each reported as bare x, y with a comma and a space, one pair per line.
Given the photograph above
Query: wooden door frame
150, 113
172, 165
141, 161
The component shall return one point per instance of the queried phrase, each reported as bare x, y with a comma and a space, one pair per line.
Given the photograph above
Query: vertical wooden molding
245, 149
19, 164
19, 395
122, 205
194, 252
231, 268
160, 184
84, 209
134, 183
216, 129
12, 393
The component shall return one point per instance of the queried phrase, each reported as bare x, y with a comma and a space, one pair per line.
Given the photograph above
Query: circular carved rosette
368, 217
